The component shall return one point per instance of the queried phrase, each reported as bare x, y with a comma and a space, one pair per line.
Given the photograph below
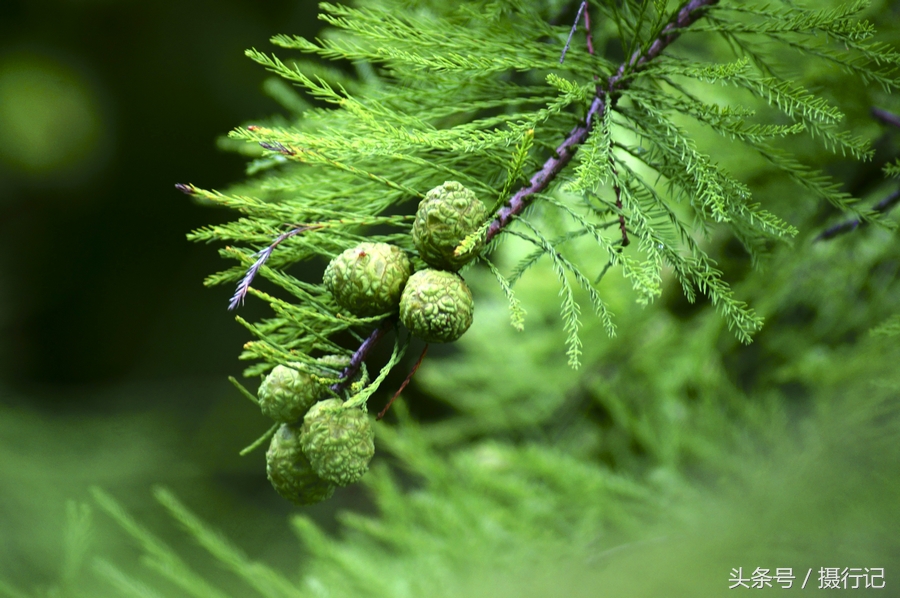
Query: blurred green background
113, 356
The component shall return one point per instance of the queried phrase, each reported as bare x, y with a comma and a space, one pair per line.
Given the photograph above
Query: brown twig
360, 355
404, 385
618, 191
262, 256
581, 10
888, 118
883, 206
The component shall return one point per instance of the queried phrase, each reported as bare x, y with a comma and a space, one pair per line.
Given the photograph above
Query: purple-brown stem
360, 355
587, 28
404, 385
542, 178
688, 14
618, 191
885, 205
581, 9
261, 257
274, 146
888, 118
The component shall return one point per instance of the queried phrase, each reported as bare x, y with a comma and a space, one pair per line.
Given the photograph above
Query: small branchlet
359, 356
888, 118
882, 207
406, 382
275, 146
262, 256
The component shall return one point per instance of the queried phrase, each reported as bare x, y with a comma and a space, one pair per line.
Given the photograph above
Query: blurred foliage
674, 455
50, 123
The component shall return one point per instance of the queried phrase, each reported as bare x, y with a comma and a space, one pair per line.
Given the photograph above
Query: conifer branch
882, 207
405, 383
261, 257
581, 9
618, 191
359, 356
888, 118
692, 11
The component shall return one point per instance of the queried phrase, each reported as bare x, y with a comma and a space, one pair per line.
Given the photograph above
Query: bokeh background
113, 356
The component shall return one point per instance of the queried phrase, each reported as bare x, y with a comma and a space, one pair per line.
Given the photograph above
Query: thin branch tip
572, 31
275, 146
882, 207
261, 257
888, 118
359, 356
403, 386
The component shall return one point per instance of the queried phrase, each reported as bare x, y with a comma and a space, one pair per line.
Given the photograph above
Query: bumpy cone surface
436, 306
367, 280
286, 394
290, 472
446, 216
338, 442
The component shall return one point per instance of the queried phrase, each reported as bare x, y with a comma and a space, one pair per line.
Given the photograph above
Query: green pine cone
436, 306
286, 393
367, 280
338, 442
446, 216
290, 472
